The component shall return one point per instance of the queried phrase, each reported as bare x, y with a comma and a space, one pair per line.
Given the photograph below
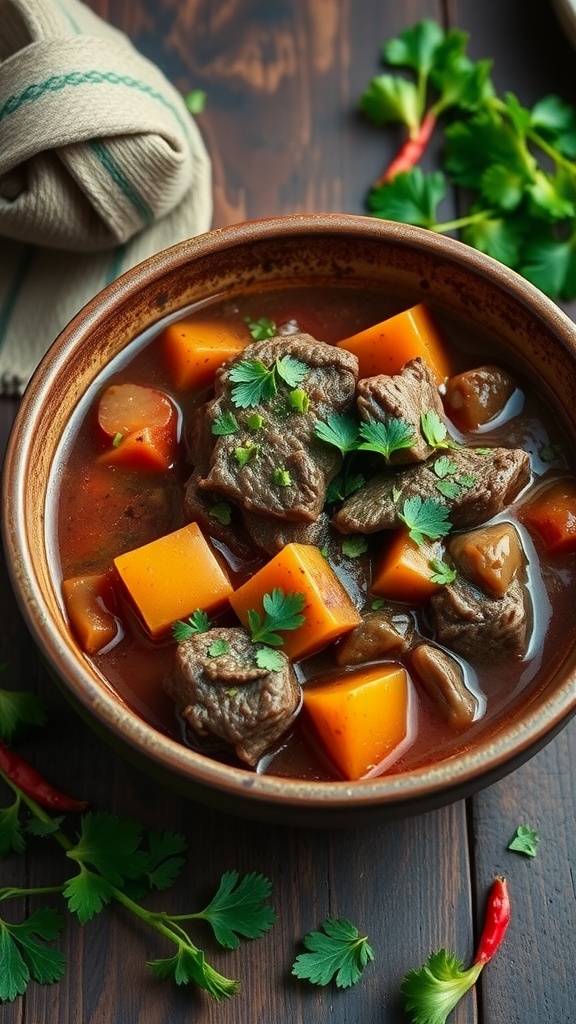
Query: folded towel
101, 165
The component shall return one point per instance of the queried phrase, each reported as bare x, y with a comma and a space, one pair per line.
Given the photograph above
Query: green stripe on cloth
115, 266
55, 83
122, 182
7, 308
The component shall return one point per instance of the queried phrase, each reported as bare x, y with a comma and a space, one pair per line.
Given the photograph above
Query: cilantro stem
13, 893
462, 222
37, 811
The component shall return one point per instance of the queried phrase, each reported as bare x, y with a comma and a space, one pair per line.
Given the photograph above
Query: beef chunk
443, 679
228, 697
286, 438
405, 395
271, 535
475, 397
211, 513
491, 482
477, 626
379, 633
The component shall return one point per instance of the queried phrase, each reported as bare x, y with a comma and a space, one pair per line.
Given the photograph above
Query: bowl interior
415, 266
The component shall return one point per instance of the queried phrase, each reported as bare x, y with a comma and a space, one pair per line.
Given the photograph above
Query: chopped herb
344, 484
466, 480
282, 612
261, 329
386, 438
256, 383
354, 546
282, 478
299, 400
339, 430
449, 488
198, 622
270, 659
195, 101
525, 840
444, 466
218, 647
248, 453
222, 511
338, 952
378, 603
425, 518
482, 451
255, 421
434, 430
225, 423
117, 439
551, 452
441, 572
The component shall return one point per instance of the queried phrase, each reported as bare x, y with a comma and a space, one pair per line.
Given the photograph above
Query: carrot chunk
194, 351
301, 569
171, 577
551, 515
142, 424
403, 571
360, 718
91, 605
388, 346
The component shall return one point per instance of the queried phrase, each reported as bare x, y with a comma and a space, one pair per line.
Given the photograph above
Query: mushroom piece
443, 679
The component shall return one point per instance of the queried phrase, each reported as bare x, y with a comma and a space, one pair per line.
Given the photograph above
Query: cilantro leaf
18, 708
299, 400
281, 477
344, 484
431, 992
239, 908
260, 329
386, 438
291, 370
425, 518
112, 845
11, 838
354, 546
282, 613
87, 893
270, 659
23, 956
389, 99
247, 453
525, 840
254, 383
416, 47
225, 423
496, 235
218, 647
444, 466
441, 572
411, 197
36, 827
339, 430
434, 430
221, 511
338, 952
198, 622
551, 265
164, 860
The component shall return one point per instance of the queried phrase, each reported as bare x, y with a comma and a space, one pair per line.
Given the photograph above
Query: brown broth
100, 512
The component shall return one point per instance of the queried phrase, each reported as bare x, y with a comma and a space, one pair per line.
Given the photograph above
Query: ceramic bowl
416, 266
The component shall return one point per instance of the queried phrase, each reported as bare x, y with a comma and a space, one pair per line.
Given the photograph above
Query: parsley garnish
299, 400
344, 484
282, 478
260, 329
222, 511
434, 430
247, 453
197, 623
218, 647
269, 659
354, 546
386, 438
449, 485
225, 423
425, 518
525, 840
117, 439
255, 383
339, 430
281, 612
441, 571
255, 421
338, 952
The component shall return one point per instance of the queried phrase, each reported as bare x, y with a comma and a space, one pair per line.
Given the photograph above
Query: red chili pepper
411, 151
496, 921
33, 784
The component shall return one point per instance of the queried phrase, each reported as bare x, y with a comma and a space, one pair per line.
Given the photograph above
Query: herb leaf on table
338, 952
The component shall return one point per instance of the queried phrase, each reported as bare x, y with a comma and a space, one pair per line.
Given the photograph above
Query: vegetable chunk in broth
318, 533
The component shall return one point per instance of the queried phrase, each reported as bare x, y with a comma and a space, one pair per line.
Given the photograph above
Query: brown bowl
416, 266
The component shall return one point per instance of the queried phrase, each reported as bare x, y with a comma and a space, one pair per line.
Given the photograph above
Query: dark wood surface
283, 79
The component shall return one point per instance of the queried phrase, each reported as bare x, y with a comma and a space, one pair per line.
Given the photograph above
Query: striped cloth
101, 165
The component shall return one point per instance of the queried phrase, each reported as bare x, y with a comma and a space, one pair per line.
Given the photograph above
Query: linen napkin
101, 166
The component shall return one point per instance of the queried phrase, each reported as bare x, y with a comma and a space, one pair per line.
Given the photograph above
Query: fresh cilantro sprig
386, 438
431, 992
260, 329
425, 518
517, 164
256, 383
338, 952
338, 430
525, 840
282, 612
119, 860
198, 622
434, 430
442, 573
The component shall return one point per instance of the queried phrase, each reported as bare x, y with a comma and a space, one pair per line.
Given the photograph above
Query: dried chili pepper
495, 922
33, 784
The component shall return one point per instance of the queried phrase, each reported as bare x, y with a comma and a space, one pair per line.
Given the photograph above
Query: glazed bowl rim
486, 759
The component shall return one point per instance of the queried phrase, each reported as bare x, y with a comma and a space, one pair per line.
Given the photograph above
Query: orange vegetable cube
151, 449
301, 569
194, 351
171, 577
91, 605
403, 572
388, 346
551, 515
361, 717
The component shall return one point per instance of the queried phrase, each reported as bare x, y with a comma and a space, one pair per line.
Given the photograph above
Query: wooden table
283, 79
